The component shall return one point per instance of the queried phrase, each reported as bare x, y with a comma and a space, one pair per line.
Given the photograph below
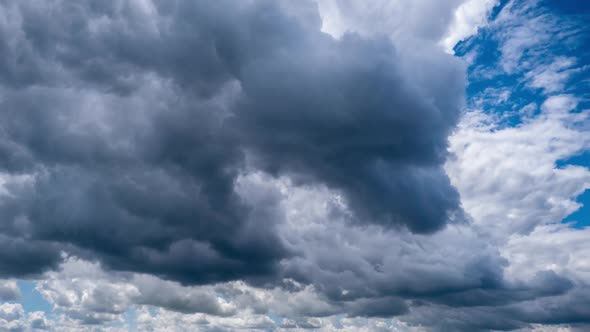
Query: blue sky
566, 15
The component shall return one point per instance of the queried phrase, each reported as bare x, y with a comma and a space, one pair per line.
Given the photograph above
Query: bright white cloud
552, 77
510, 186
556, 247
14, 319
468, 17
508, 178
447, 21
399, 19
528, 34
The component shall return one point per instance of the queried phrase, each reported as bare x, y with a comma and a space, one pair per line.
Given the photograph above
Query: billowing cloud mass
290, 165
133, 121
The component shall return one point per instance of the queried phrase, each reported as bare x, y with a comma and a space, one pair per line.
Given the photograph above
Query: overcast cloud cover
281, 165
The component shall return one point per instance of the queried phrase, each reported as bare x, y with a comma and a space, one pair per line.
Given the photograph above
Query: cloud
9, 290
342, 269
527, 31
86, 293
553, 77
282, 166
134, 126
508, 177
469, 16
403, 21
14, 319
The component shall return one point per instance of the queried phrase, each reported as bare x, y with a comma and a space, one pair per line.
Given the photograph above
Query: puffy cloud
357, 271
38, 321
86, 293
545, 242
404, 21
9, 290
469, 16
14, 319
135, 119
508, 176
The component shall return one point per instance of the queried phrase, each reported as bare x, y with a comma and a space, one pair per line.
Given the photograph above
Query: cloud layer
133, 120
284, 166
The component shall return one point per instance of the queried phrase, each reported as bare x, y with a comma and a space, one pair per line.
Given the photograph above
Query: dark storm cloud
567, 308
378, 307
166, 207
545, 283
24, 257
127, 117
375, 139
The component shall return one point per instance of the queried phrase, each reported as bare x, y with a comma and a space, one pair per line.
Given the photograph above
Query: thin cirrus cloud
286, 166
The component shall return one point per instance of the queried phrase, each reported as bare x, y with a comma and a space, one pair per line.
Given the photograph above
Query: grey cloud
38, 321
174, 297
545, 283
136, 122
376, 138
378, 307
14, 319
454, 274
24, 257
405, 20
569, 308
9, 291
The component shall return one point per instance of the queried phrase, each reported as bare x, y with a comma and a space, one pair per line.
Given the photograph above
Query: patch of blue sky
128, 321
580, 218
492, 90
276, 318
568, 7
31, 299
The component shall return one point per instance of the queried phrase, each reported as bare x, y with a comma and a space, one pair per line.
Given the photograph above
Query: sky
289, 166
